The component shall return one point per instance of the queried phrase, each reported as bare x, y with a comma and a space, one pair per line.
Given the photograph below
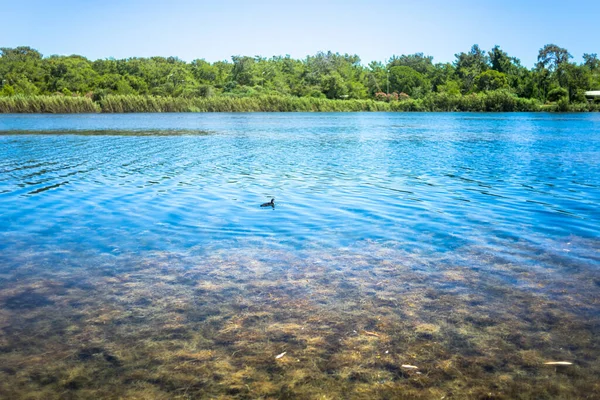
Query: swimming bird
269, 204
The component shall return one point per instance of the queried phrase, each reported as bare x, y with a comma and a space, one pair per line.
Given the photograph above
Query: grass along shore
492, 101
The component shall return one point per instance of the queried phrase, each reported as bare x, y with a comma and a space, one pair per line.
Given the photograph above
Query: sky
374, 30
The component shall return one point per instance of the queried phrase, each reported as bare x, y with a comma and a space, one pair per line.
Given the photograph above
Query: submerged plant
260, 323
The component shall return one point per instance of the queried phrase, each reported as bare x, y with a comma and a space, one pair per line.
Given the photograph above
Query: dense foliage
475, 81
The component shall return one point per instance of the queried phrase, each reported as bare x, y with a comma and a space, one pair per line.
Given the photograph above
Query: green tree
377, 78
73, 74
409, 81
204, 72
243, 71
591, 61
334, 86
554, 58
557, 94
470, 65
442, 75
491, 80
21, 53
577, 80
418, 62
23, 69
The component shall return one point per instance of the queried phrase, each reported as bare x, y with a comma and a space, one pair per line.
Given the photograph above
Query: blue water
175, 182
136, 261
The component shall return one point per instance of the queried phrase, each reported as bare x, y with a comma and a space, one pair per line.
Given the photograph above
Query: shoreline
495, 101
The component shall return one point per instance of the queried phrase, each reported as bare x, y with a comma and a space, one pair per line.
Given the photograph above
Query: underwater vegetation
263, 323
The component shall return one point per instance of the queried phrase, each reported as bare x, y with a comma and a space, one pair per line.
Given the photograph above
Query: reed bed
131, 103
493, 101
47, 104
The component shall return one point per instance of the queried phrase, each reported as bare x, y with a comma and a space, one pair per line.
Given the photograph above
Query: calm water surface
424, 239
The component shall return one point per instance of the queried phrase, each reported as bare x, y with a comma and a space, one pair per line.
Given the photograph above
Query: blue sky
375, 30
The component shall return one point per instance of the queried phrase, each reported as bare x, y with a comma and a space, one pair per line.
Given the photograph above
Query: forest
477, 80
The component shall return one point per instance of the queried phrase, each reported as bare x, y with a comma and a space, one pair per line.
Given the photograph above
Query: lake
415, 255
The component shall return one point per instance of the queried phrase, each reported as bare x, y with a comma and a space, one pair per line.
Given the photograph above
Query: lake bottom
408, 256
366, 321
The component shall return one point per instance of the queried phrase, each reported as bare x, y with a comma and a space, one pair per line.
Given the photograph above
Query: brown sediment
356, 325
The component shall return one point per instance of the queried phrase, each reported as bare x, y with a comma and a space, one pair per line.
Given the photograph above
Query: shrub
380, 96
557, 93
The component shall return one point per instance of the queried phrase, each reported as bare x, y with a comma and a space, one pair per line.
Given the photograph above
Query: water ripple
173, 182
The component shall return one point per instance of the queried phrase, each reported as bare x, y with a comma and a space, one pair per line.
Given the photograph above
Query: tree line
555, 79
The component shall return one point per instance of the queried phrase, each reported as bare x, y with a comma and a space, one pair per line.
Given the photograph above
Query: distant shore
492, 101
477, 81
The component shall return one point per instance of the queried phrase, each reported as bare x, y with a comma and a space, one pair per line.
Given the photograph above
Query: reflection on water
141, 266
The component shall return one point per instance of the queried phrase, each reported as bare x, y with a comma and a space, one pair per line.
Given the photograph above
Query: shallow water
135, 261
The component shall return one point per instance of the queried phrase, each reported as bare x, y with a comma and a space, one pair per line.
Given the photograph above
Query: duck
269, 204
